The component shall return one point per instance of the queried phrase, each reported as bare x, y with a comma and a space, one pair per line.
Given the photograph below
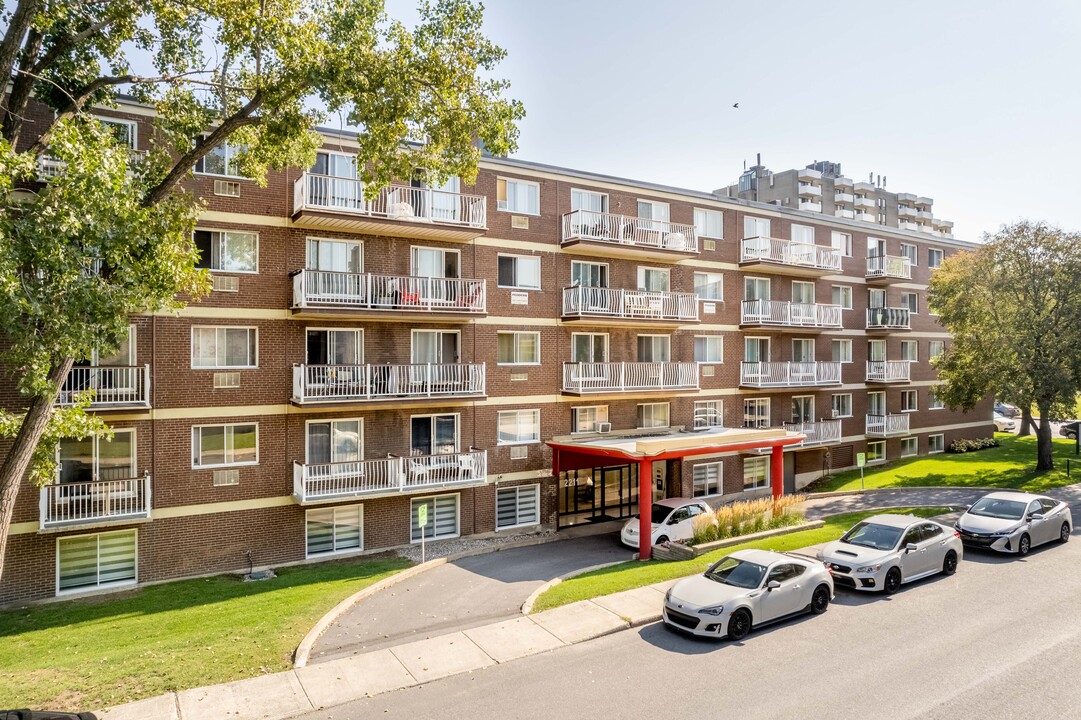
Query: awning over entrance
644, 447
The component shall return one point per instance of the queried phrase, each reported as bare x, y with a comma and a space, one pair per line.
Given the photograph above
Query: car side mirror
967, 508
773, 585
911, 547
1036, 516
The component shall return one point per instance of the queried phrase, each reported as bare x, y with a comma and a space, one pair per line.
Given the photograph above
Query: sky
974, 104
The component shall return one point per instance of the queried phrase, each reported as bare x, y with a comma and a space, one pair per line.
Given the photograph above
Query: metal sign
422, 514
861, 459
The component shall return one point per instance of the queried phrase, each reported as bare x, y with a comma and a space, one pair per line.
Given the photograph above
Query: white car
1015, 522
885, 551
1003, 423
746, 589
671, 520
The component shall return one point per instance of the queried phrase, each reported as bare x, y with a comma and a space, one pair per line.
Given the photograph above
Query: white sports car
673, 519
884, 551
746, 589
1015, 522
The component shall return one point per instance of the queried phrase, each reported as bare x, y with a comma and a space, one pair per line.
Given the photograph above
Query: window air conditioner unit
604, 427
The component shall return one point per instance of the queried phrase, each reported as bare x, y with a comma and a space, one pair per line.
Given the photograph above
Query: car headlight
869, 569
1003, 533
715, 610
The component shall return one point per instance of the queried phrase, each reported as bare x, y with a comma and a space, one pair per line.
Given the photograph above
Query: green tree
1013, 307
108, 234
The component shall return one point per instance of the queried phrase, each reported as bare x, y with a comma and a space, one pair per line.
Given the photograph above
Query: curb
925, 488
527, 606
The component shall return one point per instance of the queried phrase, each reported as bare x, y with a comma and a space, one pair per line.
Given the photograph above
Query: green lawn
92, 653
634, 574
1008, 466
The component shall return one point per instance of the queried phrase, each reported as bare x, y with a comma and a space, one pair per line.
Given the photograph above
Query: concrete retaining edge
843, 493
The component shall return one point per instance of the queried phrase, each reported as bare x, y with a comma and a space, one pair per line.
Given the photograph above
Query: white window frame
435, 498
518, 490
912, 442
254, 362
593, 344
358, 334
431, 416
310, 262
915, 345
359, 509
653, 204
712, 411
879, 452
846, 291
710, 340
914, 403
941, 440
905, 304
231, 151
332, 422
718, 482
833, 405
95, 444
912, 253
195, 447
758, 402
793, 407
504, 206
792, 233
761, 474
933, 401
98, 585
597, 193
941, 256
517, 350
640, 415
413, 333
711, 279
842, 343
533, 414
668, 338
593, 263
641, 272
931, 354
804, 343
133, 128
758, 339
518, 258
222, 236
845, 244
576, 419
699, 228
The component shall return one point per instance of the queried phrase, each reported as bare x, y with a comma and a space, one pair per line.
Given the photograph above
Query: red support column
776, 470
645, 508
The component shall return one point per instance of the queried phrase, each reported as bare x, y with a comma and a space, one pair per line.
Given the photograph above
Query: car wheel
1071, 436
893, 581
662, 539
1064, 533
739, 625
1024, 545
820, 600
949, 565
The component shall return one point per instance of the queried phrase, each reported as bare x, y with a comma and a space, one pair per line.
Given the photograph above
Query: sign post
861, 460
422, 520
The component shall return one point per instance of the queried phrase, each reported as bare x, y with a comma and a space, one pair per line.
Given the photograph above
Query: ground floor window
85, 562
334, 530
755, 473
708, 479
909, 446
442, 517
936, 443
516, 506
876, 451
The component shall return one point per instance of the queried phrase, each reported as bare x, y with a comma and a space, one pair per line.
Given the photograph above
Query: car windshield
879, 537
660, 514
998, 508
738, 573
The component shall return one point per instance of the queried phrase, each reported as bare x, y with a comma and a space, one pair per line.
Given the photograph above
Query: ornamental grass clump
747, 516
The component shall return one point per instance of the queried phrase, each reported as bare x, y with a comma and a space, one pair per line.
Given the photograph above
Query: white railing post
148, 505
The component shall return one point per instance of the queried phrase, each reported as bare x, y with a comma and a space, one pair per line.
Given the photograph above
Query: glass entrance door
598, 494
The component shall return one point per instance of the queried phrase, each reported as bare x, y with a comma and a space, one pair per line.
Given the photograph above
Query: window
708, 223
803, 409
589, 347
85, 562
842, 350
755, 288
585, 419
908, 401
803, 292
654, 279
911, 301
803, 234
222, 160
227, 250
224, 347
519, 271
442, 517
708, 413
335, 255
876, 350
933, 401
433, 435
909, 350
755, 473
755, 227
589, 200
654, 348
842, 295
803, 350
517, 506
934, 257
876, 451
519, 426
909, 251
653, 415
707, 479
652, 210
708, 348
756, 412
335, 441
589, 274
334, 347
434, 346
334, 530
876, 298
909, 446
709, 286
221, 445
936, 443
434, 263
94, 458
935, 348
519, 348
842, 405
841, 241
123, 130
755, 349
518, 196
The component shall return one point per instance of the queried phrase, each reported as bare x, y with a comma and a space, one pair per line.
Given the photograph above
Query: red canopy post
776, 470
645, 508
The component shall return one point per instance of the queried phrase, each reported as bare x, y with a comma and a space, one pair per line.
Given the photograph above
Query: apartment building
821, 187
361, 358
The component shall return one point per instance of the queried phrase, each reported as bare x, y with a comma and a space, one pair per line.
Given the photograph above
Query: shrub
964, 445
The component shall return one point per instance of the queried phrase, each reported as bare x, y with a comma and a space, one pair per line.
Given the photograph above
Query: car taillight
956, 533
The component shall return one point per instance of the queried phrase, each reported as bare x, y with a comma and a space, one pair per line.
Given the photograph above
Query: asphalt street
998, 640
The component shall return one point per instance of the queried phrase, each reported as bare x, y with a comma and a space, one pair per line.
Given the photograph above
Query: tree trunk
1044, 458
18, 24
18, 459
1026, 422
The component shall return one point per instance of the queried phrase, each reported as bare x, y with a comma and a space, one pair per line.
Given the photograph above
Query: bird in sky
736, 105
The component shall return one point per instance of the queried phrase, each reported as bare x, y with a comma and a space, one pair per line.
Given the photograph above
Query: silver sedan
1015, 522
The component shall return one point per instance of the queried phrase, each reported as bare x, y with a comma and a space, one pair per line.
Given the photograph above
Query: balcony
781, 313
68, 505
629, 307
322, 293
331, 482
792, 258
886, 425
810, 191
888, 268
345, 384
332, 203
906, 198
925, 216
846, 214
906, 212
906, 225
864, 203
888, 319
844, 198
115, 387
808, 206
808, 175
596, 233
823, 432
612, 377
842, 182
865, 187
923, 202
888, 371
789, 374
865, 217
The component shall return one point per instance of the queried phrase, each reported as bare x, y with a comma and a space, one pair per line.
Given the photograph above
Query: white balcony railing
348, 383
66, 504
843, 213
884, 425
322, 288
111, 385
906, 212
808, 206
394, 202
787, 252
790, 314
789, 374
889, 266
808, 190
888, 370
864, 203
844, 198
888, 318
387, 476
822, 432
596, 377
865, 217
905, 225
582, 300
626, 230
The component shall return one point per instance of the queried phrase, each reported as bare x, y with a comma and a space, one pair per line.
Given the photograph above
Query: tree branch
21, 88
13, 37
